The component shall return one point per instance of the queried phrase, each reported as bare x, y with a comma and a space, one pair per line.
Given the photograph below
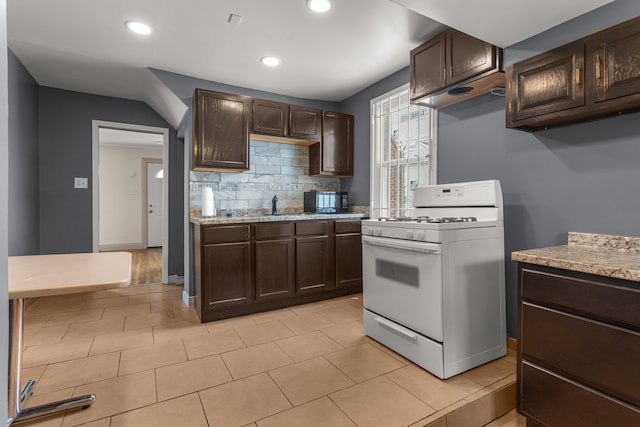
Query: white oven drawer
415, 347
402, 280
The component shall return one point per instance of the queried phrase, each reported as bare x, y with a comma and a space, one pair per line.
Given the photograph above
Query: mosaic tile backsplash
276, 170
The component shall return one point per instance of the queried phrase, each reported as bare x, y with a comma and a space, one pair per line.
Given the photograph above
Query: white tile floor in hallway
151, 363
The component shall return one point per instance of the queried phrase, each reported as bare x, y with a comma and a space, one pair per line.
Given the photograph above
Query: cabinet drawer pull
578, 76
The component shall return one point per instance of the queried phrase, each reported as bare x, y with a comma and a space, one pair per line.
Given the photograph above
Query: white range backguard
434, 292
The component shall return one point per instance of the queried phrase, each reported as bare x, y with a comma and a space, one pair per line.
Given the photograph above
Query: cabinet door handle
578, 75
598, 68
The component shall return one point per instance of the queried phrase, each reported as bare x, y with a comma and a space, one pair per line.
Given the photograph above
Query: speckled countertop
601, 254
268, 218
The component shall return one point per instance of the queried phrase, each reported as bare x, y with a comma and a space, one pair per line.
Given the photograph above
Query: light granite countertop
602, 254
269, 218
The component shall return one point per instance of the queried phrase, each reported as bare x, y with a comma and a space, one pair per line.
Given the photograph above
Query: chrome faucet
274, 205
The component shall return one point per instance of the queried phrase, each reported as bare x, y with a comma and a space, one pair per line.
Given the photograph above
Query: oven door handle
429, 248
402, 331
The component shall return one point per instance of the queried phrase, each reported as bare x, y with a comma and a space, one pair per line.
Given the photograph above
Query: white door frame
145, 198
95, 187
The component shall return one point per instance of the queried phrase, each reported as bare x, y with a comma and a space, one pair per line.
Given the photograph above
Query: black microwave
326, 201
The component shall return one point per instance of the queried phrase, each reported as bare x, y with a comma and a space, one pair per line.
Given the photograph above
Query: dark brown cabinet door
274, 269
305, 123
269, 117
220, 131
547, 83
312, 263
467, 57
615, 57
428, 67
333, 156
226, 275
348, 255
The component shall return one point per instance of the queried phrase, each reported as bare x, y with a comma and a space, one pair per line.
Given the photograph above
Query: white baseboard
121, 247
187, 300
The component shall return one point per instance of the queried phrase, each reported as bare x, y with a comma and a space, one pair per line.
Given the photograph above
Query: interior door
154, 204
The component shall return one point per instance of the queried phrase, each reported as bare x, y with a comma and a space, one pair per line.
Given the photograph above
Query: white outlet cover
80, 182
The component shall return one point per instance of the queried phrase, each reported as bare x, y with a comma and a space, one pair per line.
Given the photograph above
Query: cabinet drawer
555, 401
311, 227
605, 301
225, 234
601, 356
271, 230
342, 227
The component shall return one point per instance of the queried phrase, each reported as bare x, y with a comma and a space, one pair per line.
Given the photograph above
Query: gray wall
582, 177
359, 106
24, 233
4, 199
65, 134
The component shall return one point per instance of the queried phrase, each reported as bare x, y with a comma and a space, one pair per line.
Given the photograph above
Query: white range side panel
474, 300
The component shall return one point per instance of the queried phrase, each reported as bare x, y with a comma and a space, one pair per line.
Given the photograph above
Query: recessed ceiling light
271, 61
319, 6
138, 27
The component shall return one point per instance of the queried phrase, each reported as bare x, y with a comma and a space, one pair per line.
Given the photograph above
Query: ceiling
83, 45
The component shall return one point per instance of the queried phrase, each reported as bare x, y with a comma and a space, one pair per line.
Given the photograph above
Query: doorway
121, 218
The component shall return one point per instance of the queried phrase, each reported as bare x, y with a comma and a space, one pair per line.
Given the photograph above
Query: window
403, 152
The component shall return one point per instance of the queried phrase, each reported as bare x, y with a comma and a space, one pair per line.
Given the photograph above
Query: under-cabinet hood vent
493, 83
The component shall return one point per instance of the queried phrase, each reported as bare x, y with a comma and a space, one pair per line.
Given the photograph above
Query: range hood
493, 83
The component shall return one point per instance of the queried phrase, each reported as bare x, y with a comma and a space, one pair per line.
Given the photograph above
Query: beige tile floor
151, 363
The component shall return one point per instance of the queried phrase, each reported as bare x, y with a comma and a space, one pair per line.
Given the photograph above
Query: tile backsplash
276, 169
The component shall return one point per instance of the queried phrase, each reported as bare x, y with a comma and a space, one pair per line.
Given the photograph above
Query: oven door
402, 281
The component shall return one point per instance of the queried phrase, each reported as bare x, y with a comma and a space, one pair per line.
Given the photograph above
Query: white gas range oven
433, 283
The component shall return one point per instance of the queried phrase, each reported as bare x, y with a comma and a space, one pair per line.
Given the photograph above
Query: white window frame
378, 194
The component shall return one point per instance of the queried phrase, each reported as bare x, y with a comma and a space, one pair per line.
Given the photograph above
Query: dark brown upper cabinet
286, 121
615, 57
548, 83
305, 123
333, 155
220, 131
590, 78
449, 59
269, 117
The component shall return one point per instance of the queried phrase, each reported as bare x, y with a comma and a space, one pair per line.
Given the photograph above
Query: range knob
369, 231
409, 234
421, 235
379, 232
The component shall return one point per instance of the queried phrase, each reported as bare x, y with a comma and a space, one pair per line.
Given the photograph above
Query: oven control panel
478, 193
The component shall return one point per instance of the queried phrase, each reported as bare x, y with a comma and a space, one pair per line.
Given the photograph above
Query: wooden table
47, 275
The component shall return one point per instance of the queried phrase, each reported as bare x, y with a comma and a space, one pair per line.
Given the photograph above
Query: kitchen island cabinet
579, 333
252, 265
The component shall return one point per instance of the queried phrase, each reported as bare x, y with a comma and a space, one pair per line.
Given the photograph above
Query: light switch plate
80, 182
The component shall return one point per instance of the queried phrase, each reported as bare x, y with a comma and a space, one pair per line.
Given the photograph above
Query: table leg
16, 397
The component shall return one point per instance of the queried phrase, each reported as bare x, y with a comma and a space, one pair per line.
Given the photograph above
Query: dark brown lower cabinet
348, 253
253, 267
578, 348
274, 268
224, 263
312, 263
